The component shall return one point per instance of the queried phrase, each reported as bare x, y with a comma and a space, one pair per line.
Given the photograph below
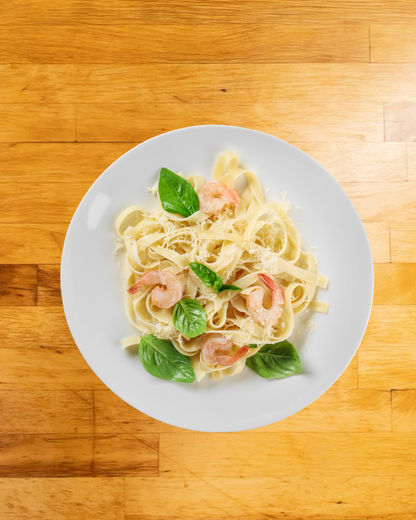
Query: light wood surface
82, 83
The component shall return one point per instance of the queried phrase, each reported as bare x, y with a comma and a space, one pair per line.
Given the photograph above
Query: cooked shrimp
215, 195
163, 297
212, 343
255, 307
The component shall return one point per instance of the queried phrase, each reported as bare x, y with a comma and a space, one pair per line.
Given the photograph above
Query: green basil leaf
161, 359
217, 286
207, 275
253, 346
177, 195
189, 318
275, 361
229, 288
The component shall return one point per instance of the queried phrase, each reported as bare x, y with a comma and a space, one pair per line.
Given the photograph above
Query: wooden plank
289, 121
44, 202
74, 455
347, 161
45, 412
32, 244
411, 161
379, 237
126, 455
34, 327
47, 12
294, 454
404, 410
208, 83
37, 122
49, 285
383, 201
393, 43
172, 43
387, 357
394, 284
42, 456
340, 410
400, 121
18, 285
339, 497
73, 162
355, 412
69, 498
403, 244
359, 162
46, 368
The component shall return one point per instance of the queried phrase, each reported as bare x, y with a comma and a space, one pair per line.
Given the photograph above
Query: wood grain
59, 412
46, 368
404, 410
32, 327
387, 357
31, 244
47, 12
44, 202
347, 161
37, 122
184, 44
84, 162
403, 246
289, 121
400, 122
49, 285
411, 161
208, 83
383, 201
73, 455
18, 285
379, 236
291, 454
393, 43
337, 497
395, 284
56, 498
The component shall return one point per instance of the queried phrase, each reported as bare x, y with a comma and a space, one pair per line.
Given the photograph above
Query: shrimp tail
267, 281
240, 353
135, 287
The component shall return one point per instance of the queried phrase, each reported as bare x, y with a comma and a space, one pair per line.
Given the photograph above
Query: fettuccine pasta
238, 243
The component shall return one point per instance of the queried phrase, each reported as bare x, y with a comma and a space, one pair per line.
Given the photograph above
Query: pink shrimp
255, 307
163, 297
215, 195
216, 342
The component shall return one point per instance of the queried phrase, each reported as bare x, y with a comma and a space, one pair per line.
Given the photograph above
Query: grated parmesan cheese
153, 190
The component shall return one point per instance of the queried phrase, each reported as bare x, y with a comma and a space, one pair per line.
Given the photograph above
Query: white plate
93, 286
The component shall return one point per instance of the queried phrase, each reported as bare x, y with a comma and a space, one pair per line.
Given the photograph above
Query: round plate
93, 286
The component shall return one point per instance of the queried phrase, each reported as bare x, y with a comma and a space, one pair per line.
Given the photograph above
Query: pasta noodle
238, 243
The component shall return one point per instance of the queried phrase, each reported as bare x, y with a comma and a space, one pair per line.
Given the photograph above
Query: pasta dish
215, 277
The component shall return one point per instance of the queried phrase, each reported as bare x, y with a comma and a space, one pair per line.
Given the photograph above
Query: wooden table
84, 81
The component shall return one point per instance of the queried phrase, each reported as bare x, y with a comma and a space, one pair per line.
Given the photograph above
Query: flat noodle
238, 243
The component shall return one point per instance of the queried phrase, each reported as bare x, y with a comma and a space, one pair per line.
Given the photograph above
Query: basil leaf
177, 195
161, 359
211, 278
189, 318
207, 275
275, 361
217, 286
229, 288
